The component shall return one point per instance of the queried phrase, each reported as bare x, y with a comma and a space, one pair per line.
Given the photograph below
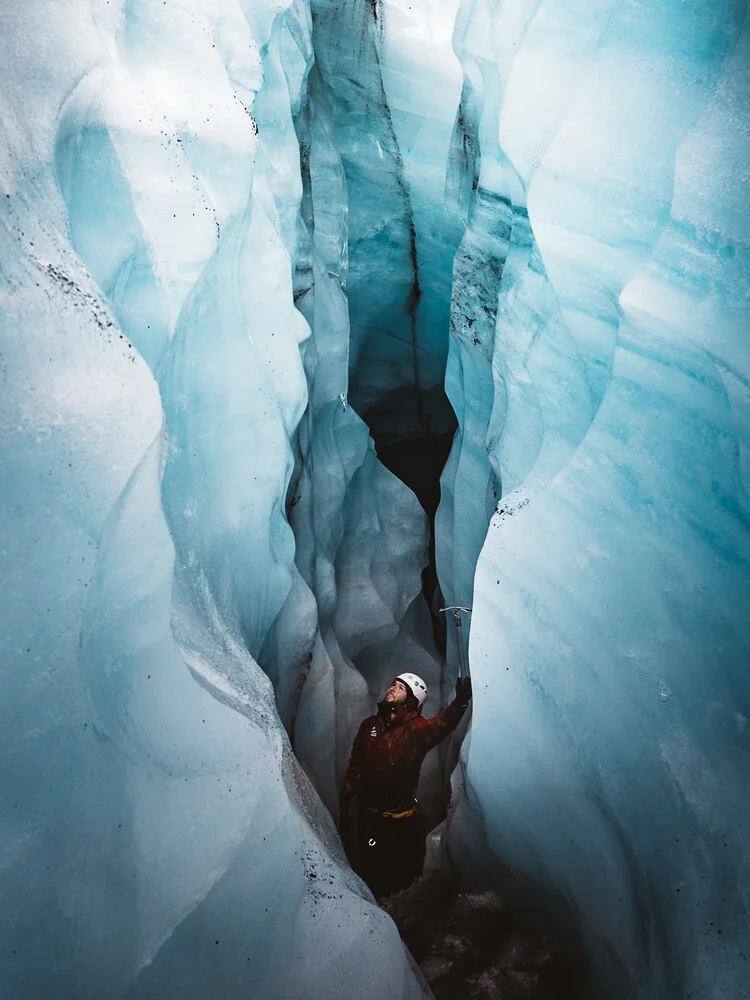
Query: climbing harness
398, 815
389, 814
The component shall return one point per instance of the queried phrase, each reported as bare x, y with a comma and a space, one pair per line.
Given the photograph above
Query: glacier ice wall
604, 393
159, 837
230, 231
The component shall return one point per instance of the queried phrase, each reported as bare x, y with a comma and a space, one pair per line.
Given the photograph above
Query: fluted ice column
160, 838
608, 750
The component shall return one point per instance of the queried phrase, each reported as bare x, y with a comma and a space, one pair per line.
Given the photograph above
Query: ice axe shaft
462, 671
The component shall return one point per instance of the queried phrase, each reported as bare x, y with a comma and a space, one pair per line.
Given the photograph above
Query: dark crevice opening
413, 431
403, 329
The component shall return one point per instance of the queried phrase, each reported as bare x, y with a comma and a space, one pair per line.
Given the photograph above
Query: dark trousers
391, 851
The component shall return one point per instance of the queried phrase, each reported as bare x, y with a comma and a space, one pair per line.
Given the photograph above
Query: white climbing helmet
416, 685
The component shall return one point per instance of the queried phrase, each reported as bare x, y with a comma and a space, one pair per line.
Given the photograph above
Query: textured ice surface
159, 837
609, 647
230, 231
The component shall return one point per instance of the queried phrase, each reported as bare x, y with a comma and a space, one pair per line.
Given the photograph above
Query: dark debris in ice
469, 946
69, 287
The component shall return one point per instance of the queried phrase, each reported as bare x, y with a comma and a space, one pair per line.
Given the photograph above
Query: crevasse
250, 250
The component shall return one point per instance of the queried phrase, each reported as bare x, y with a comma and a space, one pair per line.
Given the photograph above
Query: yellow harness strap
401, 815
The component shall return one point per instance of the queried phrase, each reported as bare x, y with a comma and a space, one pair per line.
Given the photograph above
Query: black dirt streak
85, 299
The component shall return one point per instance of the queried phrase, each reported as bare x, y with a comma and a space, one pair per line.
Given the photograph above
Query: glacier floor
470, 944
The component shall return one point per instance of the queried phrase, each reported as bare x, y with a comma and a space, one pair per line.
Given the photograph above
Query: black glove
463, 690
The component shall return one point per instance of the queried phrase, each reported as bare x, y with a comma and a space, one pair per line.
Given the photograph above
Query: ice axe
462, 672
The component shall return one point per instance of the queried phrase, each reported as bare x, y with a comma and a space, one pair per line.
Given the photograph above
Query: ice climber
383, 774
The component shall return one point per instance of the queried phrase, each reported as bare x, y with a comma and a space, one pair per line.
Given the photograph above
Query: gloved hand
463, 690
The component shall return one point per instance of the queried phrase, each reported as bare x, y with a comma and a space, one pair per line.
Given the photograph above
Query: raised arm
433, 731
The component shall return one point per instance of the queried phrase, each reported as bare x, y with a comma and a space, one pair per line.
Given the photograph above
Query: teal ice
242, 243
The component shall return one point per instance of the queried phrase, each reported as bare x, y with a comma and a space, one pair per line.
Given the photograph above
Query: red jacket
386, 757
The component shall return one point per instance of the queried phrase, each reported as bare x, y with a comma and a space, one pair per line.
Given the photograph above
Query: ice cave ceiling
314, 316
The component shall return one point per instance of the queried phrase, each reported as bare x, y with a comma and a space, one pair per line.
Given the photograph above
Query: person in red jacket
383, 773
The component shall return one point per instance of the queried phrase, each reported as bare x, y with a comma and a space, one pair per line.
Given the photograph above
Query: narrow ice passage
266, 273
